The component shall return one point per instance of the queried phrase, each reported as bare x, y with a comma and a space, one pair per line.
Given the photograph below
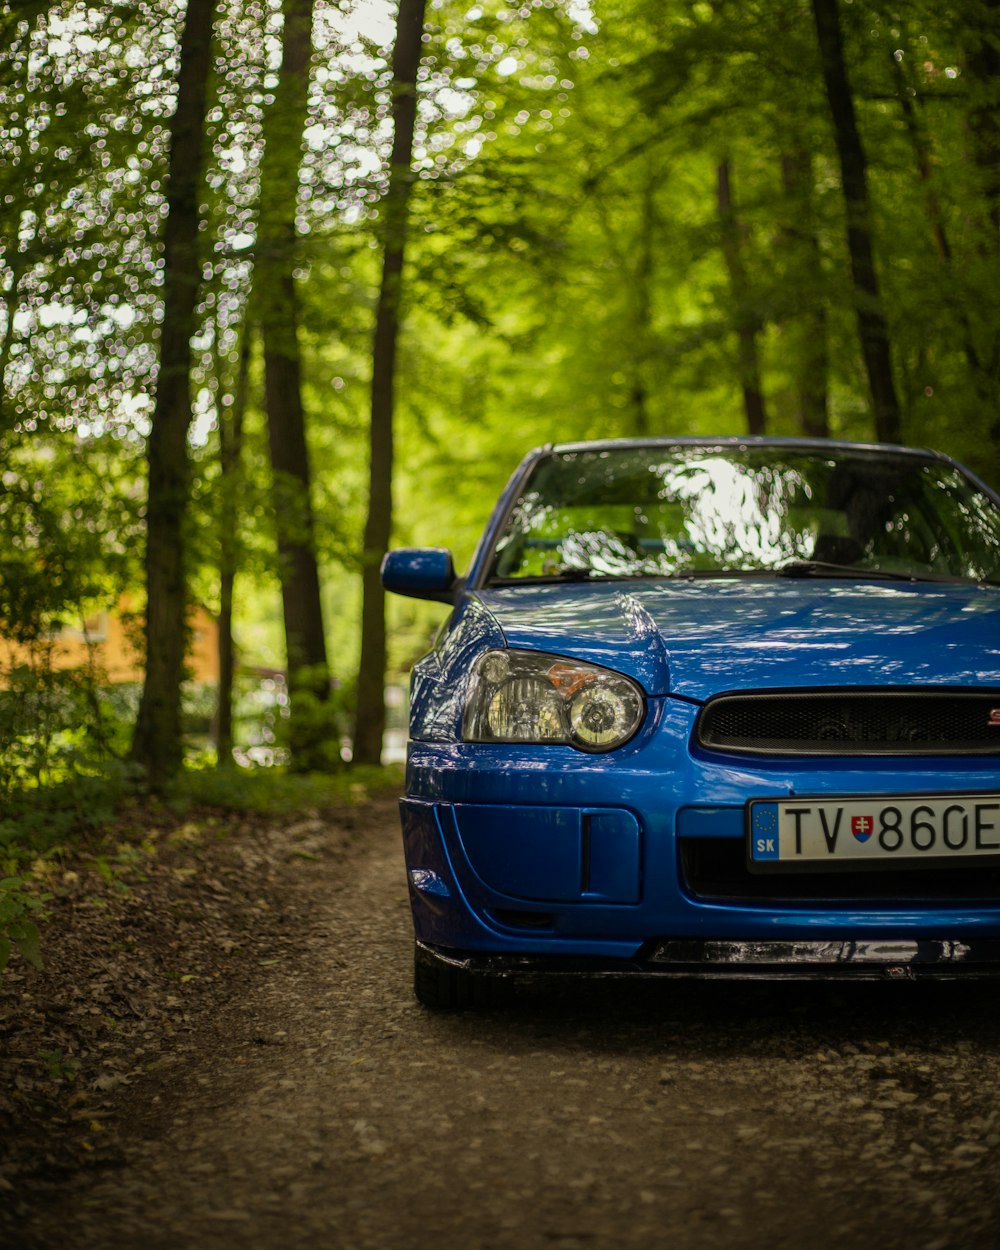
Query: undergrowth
273, 791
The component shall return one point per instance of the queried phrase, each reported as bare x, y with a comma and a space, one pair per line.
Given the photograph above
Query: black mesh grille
716, 868
876, 722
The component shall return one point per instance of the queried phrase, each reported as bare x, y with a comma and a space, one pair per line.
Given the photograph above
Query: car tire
442, 988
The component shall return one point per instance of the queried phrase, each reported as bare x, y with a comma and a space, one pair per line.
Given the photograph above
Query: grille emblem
995, 717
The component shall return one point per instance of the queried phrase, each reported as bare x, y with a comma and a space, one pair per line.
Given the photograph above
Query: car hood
695, 638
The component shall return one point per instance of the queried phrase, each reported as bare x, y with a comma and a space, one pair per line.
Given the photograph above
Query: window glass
688, 511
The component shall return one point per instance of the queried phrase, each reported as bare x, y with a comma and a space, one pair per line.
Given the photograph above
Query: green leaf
4, 953
25, 937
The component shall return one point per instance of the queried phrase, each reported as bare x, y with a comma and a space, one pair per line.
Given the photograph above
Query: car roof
743, 440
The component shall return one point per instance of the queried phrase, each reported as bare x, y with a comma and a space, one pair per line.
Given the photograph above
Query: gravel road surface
325, 1109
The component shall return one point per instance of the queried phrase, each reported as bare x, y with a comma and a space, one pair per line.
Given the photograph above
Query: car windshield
690, 511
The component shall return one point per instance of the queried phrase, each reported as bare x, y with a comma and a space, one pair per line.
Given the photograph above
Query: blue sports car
710, 707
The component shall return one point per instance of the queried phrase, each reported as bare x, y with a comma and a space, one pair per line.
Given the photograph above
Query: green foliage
123, 865
313, 733
38, 825
277, 792
20, 907
67, 524
59, 1067
47, 726
83, 152
566, 280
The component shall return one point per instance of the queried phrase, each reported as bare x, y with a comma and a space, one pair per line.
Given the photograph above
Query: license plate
877, 832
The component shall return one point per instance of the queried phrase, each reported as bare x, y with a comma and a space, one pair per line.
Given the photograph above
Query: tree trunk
370, 723
873, 328
7, 340
806, 330
641, 306
920, 143
634, 255
157, 741
276, 301
230, 458
982, 66
745, 318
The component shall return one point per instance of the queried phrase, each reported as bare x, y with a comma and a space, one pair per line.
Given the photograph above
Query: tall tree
746, 319
911, 106
370, 724
983, 66
157, 741
230, 482
873, 329
277, 311
983, 126
909, 103
805, 330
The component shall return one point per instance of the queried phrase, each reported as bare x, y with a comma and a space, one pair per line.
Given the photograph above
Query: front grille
856, 722
715, 868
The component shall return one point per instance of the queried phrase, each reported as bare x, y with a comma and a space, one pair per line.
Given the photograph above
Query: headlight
527, 696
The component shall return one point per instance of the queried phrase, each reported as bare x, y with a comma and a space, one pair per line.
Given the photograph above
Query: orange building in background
108, 640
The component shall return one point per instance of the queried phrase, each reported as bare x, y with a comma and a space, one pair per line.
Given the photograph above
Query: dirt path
320, 1107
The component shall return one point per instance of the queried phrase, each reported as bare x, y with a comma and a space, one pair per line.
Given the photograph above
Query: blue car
710, 707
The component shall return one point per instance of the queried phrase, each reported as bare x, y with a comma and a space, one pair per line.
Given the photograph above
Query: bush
17, 929
53, 723
275, 791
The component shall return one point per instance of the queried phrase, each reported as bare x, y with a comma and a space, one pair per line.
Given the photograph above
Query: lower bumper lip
770, 954
936, 959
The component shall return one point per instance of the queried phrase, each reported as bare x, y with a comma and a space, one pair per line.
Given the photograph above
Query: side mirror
421, 573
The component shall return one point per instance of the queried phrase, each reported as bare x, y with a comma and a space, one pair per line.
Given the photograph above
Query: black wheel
443, 988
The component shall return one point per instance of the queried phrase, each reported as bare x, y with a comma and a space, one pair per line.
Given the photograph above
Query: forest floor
223, 1049
156, 945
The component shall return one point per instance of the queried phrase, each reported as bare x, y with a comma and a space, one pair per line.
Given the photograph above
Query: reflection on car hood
695, 638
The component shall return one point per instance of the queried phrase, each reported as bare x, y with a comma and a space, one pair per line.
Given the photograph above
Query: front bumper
546, 854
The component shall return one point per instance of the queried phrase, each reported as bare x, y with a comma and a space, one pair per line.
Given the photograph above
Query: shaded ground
269, 1082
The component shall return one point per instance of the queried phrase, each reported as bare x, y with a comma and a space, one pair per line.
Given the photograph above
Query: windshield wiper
827, 568
624, 575
540, 579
